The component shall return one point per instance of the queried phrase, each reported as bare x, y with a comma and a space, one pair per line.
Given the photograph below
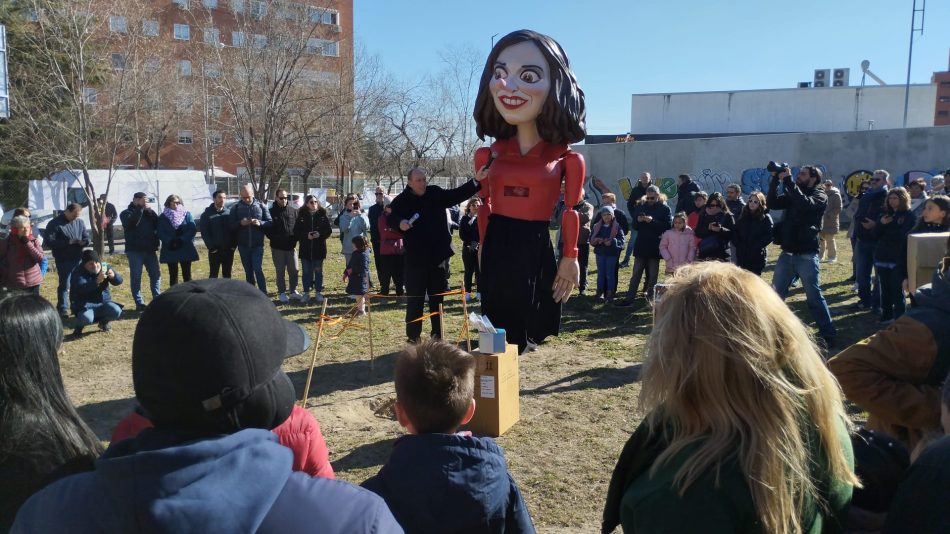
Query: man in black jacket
804, 201
66, 235
140, 224
216, 232
419, 212
870, 209
282, 244
373, 214
684, 194
109, 215
636, 194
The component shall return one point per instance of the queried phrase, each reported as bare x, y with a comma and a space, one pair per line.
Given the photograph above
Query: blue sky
619, 48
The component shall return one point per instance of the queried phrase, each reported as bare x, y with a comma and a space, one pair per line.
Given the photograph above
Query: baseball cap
207, 357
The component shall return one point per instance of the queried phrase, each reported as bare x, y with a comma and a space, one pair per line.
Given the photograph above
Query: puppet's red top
528, 187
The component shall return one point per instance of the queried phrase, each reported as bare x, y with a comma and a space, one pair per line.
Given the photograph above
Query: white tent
67, 186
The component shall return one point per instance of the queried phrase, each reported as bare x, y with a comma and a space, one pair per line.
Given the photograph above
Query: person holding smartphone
312, 229
20, 257
870, 209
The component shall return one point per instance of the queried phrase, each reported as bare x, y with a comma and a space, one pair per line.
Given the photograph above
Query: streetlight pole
910, 52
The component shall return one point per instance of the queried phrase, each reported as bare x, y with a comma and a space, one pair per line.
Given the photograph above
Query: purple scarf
176, 217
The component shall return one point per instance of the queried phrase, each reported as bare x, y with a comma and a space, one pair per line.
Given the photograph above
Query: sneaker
860, 306
623, 303
77, 331
530, 346
283, 298
412, 340
304, 297
295, 295
318, 297
105, 326
832, 260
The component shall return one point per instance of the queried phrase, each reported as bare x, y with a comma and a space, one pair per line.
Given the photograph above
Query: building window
214, 106
943, 99
259, 41
215, 138
181, 3
943, 113
210, 4
212, 35
150, 28
945, 84
314, 46
258, 9
90, 95
184, 67
118, 61
331, 17
239, 139
185, 104
182, 32
238, 39
212, 70
152, 64
331, 48
118, 25
184, 137
237, 6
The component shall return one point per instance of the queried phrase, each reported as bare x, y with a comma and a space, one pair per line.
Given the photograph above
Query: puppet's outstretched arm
573, 192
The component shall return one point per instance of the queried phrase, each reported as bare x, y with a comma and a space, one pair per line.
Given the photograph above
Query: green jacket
644, 504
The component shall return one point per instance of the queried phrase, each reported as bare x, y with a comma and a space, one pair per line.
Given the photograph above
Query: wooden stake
441, 321
369, 316
313, 360
468, 341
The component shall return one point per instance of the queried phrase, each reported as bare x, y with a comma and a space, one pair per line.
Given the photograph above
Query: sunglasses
713, 206
653, 198
753, 201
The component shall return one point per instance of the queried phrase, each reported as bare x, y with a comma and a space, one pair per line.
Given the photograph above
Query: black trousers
110, 238
173, 272
424, 278
470, 262
583, 258
389, 268
221, 260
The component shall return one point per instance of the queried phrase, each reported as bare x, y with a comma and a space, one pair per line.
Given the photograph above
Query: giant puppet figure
529, 101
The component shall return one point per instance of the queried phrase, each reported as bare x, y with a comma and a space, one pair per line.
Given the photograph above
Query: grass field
578, 392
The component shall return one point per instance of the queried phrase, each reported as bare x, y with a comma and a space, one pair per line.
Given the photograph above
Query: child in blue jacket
357, 270
607, 239
439, 479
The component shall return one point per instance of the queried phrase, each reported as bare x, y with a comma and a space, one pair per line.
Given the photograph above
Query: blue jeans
629, 251
252, 258
868, 293
93, 312
806, 267
606, 273
312, 275
150, 261
64, 268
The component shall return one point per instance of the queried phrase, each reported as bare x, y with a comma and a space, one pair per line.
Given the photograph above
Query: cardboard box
924, 251
491, 343
497, 390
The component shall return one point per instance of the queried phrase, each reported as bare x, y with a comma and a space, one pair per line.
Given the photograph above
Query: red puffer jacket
390, 241
21, 263
300, 433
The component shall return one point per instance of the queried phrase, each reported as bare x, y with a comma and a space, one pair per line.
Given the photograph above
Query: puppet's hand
568, 274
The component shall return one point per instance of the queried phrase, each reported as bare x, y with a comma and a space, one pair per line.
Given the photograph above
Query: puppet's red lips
512, 102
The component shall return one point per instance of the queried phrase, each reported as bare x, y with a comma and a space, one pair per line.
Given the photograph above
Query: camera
775, 168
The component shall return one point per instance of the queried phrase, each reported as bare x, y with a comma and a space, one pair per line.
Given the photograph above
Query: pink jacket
22, 263
677, 248
300, 433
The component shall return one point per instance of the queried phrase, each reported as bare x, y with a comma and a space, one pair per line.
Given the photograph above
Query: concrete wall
830, 109
717, 162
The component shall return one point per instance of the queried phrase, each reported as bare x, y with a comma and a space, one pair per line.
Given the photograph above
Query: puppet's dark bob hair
562, 116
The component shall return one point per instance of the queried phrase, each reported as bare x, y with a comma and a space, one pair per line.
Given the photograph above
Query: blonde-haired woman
745, 431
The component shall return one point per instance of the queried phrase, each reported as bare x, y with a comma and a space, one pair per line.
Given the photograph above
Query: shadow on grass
596, 378
102, 417
345, 376
364, 456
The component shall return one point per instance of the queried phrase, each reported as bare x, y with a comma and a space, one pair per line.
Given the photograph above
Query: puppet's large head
527, 77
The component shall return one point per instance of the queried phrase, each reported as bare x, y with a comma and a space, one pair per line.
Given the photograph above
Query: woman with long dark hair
890, 253
468, 233
753, 234
714, 229
42, 438
743, 433
312, 229
529, 100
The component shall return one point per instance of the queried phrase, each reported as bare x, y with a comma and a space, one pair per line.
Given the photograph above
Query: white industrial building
811, 109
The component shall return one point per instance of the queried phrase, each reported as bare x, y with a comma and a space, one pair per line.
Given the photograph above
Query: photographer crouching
804, 201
